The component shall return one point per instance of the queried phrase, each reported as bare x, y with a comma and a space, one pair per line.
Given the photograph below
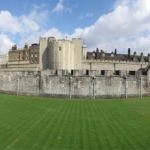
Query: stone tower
79, 52
61, 54
43, 54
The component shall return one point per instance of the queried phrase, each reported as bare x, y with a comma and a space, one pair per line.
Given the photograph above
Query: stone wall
59, 83
61, 54
112, 65
23, 82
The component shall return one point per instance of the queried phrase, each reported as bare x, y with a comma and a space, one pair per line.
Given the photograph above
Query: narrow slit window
132, 73
103, 72
87, 72
117, 72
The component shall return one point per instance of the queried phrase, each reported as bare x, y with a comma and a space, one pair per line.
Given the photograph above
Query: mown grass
44, 123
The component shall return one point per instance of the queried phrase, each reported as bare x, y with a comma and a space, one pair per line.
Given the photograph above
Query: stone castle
65, 68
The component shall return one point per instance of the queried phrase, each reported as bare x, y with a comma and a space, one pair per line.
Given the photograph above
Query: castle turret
43, 53
78, 52
141, 58
135, 57
61, 54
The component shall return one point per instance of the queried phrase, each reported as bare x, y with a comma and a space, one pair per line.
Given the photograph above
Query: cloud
59, 6
56, 33
128, 25
9, 23
87, 15
13, 25
21, 28
22, 24
5, 43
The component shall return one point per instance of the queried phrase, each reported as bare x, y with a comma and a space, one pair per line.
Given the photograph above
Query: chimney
134, 54
97, 50
129, 51
134, 57
97, 53
14, 47
115, 51
26, 46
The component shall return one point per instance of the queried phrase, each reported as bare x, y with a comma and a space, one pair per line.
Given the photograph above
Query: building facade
70, 55
26, 54
64, 68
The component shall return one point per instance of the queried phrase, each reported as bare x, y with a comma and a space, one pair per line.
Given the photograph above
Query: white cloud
59, 6
33, 38
13, 25
5, 44
128, 25
24, 27
9, 23
22, 24
56, 33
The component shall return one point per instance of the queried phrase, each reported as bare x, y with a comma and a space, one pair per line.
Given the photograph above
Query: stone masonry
63, 68
60, 83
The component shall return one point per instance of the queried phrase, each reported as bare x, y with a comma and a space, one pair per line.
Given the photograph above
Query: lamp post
141, 87
18, 86
93, 83
70, 94
126, 95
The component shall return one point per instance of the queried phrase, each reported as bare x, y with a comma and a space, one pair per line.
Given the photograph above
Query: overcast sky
103, 24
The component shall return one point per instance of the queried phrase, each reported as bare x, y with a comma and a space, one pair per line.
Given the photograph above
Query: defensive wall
74, 84
113, 65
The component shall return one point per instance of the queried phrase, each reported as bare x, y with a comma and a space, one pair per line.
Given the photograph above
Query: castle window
87, 72
59, 48
35, 55
56, 72
132, 73
31, 55
71, 72
103, 72
117, 72
144, 73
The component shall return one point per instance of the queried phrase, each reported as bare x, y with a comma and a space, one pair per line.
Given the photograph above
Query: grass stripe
42, 123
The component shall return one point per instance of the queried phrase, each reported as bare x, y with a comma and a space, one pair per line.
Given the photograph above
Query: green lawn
44, 123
